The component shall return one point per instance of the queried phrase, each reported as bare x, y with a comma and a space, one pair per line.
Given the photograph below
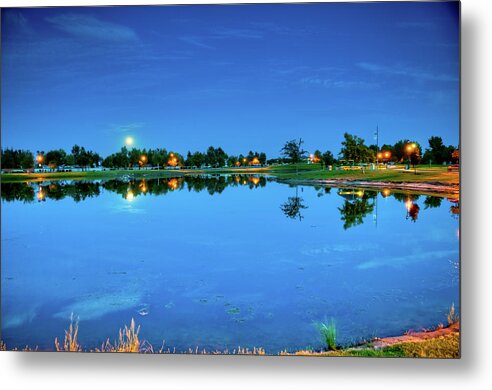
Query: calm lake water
223, 261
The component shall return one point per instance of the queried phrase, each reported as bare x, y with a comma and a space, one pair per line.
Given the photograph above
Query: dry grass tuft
452, 316
70, 342
127, 341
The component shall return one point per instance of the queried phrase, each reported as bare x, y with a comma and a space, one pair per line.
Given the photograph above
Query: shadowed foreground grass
445, 346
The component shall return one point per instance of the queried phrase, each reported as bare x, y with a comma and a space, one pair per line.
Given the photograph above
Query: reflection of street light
40, 195
129, 196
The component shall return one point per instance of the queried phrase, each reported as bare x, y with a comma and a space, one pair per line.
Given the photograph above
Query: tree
317, 157
455, 156
293, 151
16, 159
354, 148
437, 152
262, 158
328, 158
399, 150
55, 158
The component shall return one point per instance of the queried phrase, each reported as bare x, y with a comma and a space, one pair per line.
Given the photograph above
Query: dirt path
417, 336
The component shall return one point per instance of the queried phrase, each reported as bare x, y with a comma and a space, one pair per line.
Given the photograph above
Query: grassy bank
301, 172
434, 175
134, 173
441, 343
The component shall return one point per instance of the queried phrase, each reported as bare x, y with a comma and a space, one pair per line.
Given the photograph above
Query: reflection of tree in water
432, 202
354, 211
455, 209
17, 191
412, 210
80, 190
292, 208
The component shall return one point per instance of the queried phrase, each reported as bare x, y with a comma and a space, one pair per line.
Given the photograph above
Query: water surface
218, 262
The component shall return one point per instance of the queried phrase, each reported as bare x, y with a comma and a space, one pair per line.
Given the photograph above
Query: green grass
302, 171
148, 174
436, 175
329, 333
446, 346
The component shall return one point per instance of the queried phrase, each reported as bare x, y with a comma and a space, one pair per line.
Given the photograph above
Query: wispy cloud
251, 30
221, 33
399, 70
89, 27
421, 25
196, 41
330, 83
17, 22
129, 127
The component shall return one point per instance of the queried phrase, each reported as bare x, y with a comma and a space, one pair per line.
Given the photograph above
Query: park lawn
114, 174
304, 172
435, 175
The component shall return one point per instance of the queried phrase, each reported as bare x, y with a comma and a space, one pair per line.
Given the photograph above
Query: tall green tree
293, 151
354, 148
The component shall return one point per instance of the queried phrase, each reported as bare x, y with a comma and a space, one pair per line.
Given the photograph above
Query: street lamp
39, 159
410, 149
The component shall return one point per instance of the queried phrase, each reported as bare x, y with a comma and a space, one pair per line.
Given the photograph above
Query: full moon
129, 141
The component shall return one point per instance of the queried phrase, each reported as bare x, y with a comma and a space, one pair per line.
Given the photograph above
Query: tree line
353, 150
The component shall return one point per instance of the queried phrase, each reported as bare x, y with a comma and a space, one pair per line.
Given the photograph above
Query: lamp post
143, 160
410, 149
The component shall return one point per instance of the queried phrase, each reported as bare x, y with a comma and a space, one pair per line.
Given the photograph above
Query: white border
85, 371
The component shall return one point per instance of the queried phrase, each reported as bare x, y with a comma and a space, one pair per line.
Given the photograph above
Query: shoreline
430, 185
441, 342
440, 189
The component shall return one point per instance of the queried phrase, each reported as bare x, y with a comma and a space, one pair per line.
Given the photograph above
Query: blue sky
241, 77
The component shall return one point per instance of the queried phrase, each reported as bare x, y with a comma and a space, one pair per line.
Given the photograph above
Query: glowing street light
410, 149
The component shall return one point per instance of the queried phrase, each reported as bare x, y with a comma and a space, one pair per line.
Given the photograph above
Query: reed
127, 340
70, 342
452, 316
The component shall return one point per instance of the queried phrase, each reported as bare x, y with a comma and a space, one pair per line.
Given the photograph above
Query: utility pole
376, 135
